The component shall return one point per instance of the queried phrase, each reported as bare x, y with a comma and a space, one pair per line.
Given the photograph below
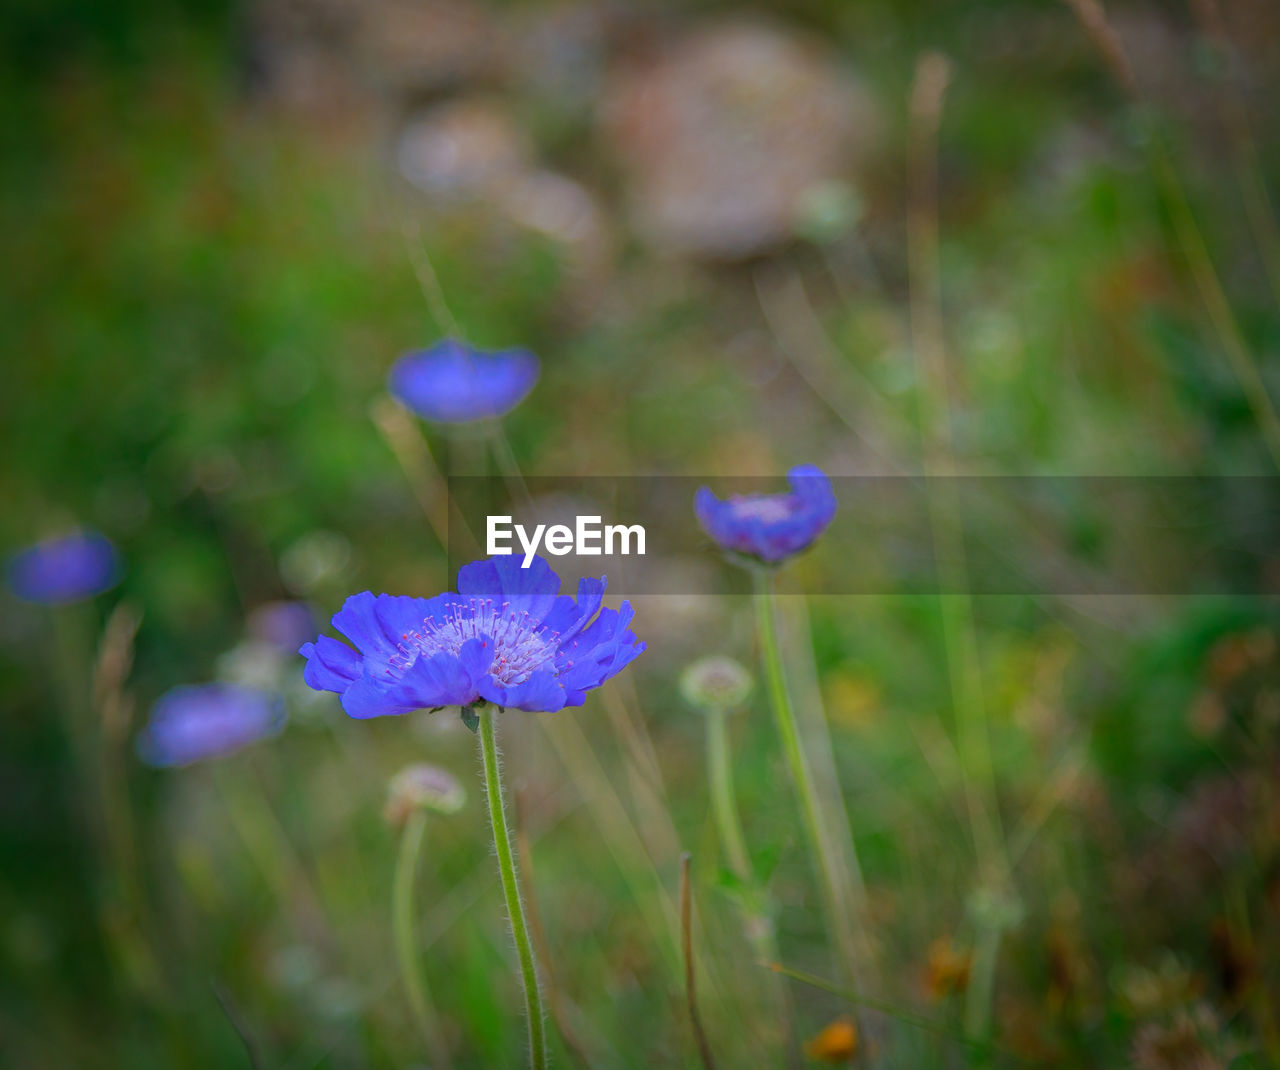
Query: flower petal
542, 692
529, 590
331, 665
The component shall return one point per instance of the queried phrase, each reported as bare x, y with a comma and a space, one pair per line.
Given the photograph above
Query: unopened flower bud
422, 787
715, 684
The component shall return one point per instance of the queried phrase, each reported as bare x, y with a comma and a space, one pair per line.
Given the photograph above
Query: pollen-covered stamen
520, 643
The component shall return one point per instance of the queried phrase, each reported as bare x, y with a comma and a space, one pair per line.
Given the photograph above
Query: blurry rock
555, 206
724, 132
463, 147
558, 53
425, 46
564, 211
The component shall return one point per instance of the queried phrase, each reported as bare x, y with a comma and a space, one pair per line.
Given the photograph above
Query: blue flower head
507, 637
69, 568
192, 723
282, 625
770, 527
452, 383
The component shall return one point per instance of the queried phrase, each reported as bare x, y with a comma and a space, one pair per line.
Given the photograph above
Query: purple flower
507, 637
452, 383
283, 625
65, 569
192, 723
770, 527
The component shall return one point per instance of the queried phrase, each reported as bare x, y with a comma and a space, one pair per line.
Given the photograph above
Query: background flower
453, 383
507, 637
282, 624
68, 568
770, 527
422, 787
195, 722
715, 683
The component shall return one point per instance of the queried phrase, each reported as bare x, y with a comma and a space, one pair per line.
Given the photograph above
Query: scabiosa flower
715, 683
507, 637
453, 383
770, 527
422, 787
68, 568
192, 723
282, 625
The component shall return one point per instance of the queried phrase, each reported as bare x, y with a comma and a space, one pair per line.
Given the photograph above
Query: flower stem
756, 924
830, 877
406, 947
720, 774
511, 889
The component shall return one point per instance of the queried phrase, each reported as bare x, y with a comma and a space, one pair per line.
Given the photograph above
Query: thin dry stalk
933, 72
1244, 146
419, 465
428, 279
1093, 18
686, 945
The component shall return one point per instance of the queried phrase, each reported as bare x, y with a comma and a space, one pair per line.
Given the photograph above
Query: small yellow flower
837, 1043
948, 971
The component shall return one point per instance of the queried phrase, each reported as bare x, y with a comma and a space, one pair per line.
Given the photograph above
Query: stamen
520, 644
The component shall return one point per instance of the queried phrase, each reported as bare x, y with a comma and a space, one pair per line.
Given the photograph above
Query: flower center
520, 642
766, 508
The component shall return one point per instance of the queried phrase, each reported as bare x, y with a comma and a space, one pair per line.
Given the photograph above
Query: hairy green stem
720, 774
830, 878
511, 889
757, 926
415, 985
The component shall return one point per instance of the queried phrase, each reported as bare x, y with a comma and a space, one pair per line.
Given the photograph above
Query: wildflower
715, 684
764, 530
283, 625
422, 787
452, 383
837, 1043
948, 970
507, 637
192, 723
770, 527
69, 568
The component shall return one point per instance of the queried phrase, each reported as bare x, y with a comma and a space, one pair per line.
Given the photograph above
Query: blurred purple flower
68, 568
201, 721
507, 637
770, 527
283, 625
452, 383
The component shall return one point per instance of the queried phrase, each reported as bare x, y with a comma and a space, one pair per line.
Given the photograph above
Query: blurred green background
217, 219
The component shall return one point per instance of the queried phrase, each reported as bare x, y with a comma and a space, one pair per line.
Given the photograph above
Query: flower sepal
470, 717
